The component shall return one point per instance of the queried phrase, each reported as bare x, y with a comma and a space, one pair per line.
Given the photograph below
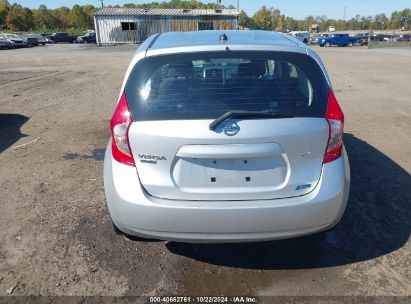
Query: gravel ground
55, 234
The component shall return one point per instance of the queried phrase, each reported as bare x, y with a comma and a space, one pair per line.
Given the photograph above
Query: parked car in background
29, 40
362, 38
62, 37
404, 37
89, 37
331, 28
314, 38
302, 36
388, 37
18, 40
216, 146
41, 39
381, 37
338, 40
6, 43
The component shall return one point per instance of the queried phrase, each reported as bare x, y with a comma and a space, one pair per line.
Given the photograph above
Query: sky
294, 8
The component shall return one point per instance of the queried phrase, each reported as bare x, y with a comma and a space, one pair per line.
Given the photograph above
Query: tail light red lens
119, 125
335, 118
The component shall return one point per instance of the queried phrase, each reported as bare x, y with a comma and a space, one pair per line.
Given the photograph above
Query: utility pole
238, 18
102, 4
345, 12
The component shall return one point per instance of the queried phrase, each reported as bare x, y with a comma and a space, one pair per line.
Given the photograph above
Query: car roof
212, 38
210, 41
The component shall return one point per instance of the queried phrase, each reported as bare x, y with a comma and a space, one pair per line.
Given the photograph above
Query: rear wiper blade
242, 113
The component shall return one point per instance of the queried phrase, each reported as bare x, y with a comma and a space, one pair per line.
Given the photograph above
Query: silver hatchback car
226, 136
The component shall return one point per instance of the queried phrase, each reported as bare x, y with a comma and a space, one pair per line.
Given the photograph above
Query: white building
132, 25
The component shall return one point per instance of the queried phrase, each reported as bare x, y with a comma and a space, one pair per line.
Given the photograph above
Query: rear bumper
137, 213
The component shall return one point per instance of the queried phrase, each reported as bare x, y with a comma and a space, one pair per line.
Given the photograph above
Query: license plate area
230, 174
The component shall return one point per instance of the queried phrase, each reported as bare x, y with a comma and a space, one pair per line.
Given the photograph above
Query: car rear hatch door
179, 157
268, 158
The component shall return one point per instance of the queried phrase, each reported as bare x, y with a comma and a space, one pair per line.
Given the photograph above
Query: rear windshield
207, 85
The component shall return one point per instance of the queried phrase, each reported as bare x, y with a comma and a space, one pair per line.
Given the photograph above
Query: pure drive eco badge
301, 187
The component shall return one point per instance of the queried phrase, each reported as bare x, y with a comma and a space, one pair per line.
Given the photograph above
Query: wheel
327, 44
350, 44
43, 43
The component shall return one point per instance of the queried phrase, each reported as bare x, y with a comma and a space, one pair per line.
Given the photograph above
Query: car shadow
10, 125
376, 222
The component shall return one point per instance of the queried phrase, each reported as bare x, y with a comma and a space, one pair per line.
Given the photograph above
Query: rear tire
350, 44
327, 44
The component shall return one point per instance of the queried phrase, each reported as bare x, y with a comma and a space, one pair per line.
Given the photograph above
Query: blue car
337, 39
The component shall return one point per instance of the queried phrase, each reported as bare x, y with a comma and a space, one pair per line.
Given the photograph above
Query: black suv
62, 37
404, 37
90, 37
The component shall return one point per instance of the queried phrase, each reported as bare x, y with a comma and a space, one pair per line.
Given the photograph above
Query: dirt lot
55, 234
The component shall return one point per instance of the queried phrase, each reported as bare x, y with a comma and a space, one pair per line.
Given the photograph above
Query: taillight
335, 118
119, 125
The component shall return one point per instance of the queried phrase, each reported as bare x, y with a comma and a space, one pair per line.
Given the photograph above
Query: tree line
14, 17
272, 19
